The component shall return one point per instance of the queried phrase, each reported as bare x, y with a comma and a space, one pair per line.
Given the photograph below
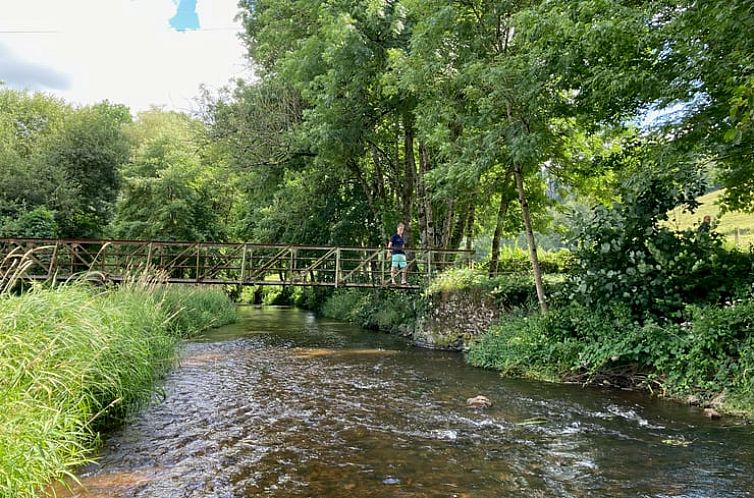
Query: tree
171, 191
61, 160
90, 149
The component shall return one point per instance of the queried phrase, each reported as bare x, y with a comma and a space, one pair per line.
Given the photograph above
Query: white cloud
17, 73
124, 50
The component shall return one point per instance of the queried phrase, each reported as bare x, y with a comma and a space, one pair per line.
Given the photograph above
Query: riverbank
75, 360
704, 357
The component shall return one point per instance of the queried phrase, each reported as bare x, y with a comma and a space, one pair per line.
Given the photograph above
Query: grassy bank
74, 360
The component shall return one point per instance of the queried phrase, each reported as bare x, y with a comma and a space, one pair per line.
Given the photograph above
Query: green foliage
516, 260
194, 309
626, 254
346, 305
59, 159
38, 223
713, 354
377, 310
89, 150
704, 356
710, 70
310, 298
510, 291
73, 360
169, 191
535, 346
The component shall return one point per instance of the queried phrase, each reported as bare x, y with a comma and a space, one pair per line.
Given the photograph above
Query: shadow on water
284, 404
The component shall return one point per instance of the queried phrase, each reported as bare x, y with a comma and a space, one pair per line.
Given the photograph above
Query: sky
134, 52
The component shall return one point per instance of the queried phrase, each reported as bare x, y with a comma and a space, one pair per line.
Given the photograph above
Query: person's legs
398, 264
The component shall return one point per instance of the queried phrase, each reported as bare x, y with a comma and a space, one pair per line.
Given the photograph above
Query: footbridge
218, 263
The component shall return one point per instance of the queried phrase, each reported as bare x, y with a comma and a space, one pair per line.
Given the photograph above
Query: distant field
738, 228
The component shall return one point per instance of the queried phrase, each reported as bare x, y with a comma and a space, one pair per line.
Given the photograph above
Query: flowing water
283, 404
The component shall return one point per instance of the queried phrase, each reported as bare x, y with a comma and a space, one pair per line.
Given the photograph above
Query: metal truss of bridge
216, 263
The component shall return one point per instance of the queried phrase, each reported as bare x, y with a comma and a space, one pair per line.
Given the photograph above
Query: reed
74, 359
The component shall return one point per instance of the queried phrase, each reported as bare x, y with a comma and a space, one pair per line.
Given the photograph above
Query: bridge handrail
254, 245
242, 263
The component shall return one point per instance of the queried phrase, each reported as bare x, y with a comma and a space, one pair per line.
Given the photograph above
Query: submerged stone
479, 402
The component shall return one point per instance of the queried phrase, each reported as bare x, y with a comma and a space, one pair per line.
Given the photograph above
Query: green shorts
399, 261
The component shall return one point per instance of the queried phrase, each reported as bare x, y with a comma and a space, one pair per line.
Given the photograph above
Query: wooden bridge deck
218, 263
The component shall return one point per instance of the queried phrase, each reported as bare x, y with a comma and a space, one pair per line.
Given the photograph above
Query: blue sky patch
185, 17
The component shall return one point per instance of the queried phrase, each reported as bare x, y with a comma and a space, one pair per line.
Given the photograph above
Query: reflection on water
282, 404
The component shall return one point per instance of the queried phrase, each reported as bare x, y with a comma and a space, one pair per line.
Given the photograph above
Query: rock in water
711, 413
479, 402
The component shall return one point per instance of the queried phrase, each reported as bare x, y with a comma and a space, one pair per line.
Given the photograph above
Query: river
284, 404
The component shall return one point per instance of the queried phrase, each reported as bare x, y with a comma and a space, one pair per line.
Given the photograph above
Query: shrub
509, 291
708, 354
525, 346
626, 254
39, 222
516, 260
346, 305
389, 311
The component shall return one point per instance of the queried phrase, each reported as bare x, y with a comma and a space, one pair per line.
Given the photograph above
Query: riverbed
284, 404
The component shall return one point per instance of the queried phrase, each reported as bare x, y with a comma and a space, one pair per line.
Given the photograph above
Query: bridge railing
226, 263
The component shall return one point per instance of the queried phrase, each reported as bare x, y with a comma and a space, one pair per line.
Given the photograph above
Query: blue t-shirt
397, 244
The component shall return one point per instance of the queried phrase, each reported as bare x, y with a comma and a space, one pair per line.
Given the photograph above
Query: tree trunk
447, 226
357, 173
426, 219
470, 226
409, 177
459, 228
517, 173
379, 177
501, 212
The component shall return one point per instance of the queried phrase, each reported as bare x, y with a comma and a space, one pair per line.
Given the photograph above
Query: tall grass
73, 360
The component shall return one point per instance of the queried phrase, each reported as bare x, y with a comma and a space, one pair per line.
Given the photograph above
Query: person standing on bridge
398, 255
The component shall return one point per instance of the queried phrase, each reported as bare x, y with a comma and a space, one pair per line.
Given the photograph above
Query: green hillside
737, 227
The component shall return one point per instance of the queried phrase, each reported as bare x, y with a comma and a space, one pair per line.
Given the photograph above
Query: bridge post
291, 265
198, 253
382, 259
53, 260
337, 267
149, 258
243, 265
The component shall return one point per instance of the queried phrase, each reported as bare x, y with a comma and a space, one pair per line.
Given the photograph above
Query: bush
528, 346
626, 254
710, 353
346, 305
37, 223
389, 311
516, 260
509, 291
